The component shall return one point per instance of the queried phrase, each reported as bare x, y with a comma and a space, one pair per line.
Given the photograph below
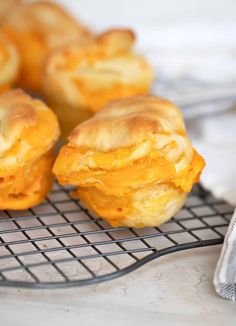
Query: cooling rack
61, 244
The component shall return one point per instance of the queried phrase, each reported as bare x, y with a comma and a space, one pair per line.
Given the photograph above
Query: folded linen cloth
215, 138
225, 273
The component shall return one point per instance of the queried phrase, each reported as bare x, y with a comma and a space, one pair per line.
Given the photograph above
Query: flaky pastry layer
132, 162
28, 132
91, 74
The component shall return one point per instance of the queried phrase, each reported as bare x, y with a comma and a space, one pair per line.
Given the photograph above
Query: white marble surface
173, 290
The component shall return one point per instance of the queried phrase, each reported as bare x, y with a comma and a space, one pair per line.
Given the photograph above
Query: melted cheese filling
93, 75
135, 186
97, 169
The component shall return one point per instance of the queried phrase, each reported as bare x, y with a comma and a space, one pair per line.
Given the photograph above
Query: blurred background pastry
132, 162
81, 78
28, 132
9, 63
36, 29
6, 6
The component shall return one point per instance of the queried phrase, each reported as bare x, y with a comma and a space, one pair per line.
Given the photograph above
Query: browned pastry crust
132, 162
37, 28
86, 76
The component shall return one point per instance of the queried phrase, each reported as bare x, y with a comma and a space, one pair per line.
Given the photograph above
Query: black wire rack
61, 244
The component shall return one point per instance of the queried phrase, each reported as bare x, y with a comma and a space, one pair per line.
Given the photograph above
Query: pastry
6, 6
9, 64
84, 77
28, 132
132, 162
36, 29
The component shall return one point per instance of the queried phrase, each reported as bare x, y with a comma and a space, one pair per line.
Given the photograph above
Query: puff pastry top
28, 128
129, 122
130, 143
99, 69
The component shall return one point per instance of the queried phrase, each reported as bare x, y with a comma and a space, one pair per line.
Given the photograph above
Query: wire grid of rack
61, 244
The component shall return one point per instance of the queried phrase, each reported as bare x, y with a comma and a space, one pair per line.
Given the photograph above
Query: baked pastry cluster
80, 79
132, 162
36, 28
74, 70
28, 132
9, 64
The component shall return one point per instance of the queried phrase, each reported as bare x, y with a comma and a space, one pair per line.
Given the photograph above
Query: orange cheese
28, 186
96, 98
150, 169
190, 175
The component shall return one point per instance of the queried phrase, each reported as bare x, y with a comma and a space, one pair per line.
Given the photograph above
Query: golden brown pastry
9, 64
6, 6
36, 29
28, 132
132, 162
81, 78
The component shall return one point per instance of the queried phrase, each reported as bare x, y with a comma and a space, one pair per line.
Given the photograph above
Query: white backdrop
176, 34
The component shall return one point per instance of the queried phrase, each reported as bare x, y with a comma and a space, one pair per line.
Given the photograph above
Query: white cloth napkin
225, 274
218, 145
